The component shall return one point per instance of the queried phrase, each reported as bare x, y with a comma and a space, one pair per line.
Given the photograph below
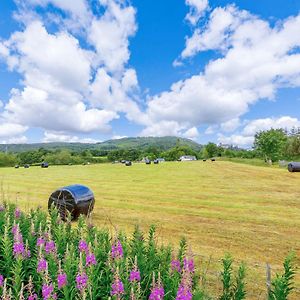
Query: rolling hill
162, 143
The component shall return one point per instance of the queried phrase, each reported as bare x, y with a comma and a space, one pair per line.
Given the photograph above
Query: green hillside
163, 143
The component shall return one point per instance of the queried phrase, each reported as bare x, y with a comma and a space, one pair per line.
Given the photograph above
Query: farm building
187, 158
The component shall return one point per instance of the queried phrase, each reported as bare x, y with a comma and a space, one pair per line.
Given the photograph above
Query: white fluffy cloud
284, 122
110, 33
245, 137
236, 140
191, 133
255, 61
68, 85
197, 9
53, 136
8, 130
218, 32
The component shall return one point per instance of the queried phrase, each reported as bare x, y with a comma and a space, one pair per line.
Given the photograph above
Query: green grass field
252, 212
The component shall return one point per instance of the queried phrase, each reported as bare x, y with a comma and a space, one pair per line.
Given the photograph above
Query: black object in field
26, 166
204, 159
128, 163
17, 166
148, 162
294, 166
213, 159
76, 199
156, 161
44, 165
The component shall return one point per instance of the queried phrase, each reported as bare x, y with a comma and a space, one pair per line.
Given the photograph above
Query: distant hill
162, 143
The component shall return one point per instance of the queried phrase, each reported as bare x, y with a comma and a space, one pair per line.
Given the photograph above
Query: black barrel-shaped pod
76, 199
294, 166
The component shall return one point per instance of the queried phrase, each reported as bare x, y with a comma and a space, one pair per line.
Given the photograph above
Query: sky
92, 70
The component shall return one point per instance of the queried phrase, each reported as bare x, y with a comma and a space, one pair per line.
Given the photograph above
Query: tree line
271, 145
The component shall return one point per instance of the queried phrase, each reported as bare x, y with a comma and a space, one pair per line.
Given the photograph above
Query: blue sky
93, 70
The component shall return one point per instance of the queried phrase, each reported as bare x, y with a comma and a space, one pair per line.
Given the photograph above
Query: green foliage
137, 252
283, 284
211, 149
233, 288
7, 159
271, 144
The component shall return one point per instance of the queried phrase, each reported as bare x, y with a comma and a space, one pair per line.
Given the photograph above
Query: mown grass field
252, 212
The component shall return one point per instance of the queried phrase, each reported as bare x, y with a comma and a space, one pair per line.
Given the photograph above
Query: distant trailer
73, 199
294, 166
187, 158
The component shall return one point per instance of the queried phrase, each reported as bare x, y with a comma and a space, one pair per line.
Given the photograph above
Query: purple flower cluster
48, 291
157, 292
185, 288
117, 288
62, 280
184, 293
40, 242
1, 280
18, 213
42, 265
2, 208
18, 246
33, 297
117, 250
50, 247
81, 281
83, 246
134, 275
90, 259
175, 265
189, 265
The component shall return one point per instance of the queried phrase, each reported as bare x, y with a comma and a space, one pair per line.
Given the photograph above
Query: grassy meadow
252, 212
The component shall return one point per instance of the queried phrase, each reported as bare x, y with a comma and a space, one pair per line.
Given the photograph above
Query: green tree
271, 143
211, 149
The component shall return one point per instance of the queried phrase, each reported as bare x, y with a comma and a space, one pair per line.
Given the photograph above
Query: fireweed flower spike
48, 291
135, 273
83, 246
62, 280
81, 281
117, 250
117, 287
18, 213
188, 264
42, 265
1, 280
157, 291
81, 278
40, 242
175, 265
50, 247
90, 259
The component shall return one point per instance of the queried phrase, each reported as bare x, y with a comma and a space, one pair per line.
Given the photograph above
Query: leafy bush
283, 285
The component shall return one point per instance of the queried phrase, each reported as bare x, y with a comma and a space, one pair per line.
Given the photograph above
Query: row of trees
274, 144
57, 157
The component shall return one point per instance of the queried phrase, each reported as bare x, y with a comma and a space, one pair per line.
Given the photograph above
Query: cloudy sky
91, 70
